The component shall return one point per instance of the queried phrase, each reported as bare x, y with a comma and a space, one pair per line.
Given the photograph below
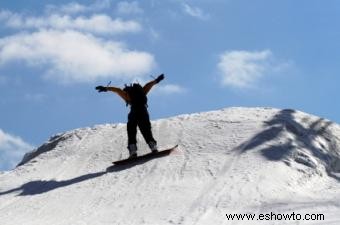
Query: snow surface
235, 160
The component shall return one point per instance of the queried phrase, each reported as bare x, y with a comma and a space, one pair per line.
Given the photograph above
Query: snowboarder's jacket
129, 91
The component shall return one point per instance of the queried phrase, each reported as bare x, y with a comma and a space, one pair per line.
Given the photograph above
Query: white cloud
74, 48
98, 23
72, 56
195, 12
129, 8
70, 8
170, 89
243, 69
76, 8
12, 149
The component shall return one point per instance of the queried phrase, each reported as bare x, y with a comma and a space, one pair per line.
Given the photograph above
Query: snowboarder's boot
153, 146
132, 150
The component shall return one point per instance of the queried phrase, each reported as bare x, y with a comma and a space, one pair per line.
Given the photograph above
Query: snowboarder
135, 96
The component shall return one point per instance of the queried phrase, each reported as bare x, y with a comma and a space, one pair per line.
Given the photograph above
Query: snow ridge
234, 160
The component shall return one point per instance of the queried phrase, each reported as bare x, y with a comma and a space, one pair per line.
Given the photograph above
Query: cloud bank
75, 48
76, 8
72, 56
97, 24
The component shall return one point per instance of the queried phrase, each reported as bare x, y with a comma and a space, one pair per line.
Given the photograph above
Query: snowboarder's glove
159, 78
101, 89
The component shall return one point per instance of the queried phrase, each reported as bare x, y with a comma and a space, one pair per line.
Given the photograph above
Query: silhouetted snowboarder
136, 96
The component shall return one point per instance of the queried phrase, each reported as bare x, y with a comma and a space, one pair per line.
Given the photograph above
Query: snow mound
54, 143
235, 160
294, 137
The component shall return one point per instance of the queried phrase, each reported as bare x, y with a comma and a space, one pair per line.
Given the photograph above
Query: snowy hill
235, 161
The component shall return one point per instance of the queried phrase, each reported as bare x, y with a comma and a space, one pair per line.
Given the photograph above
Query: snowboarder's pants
141, 119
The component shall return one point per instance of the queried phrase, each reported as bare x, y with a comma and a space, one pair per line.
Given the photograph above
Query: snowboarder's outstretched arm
116, 90
120, 92
147, 87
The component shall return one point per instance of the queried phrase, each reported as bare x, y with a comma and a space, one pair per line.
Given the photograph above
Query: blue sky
214, 54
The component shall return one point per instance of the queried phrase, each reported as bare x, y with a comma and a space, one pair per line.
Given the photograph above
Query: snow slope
235, 160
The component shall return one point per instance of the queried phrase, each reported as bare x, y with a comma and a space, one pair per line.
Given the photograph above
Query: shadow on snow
305, 138
43, 186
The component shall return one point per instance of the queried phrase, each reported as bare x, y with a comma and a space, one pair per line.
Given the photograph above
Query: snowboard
151, 155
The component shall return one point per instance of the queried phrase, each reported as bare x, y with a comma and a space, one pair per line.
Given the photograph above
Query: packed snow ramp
230, 165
